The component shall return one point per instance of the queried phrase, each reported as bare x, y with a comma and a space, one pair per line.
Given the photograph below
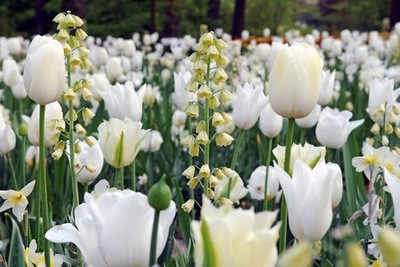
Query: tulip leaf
209, 257
16, 256
183, 217
97, 119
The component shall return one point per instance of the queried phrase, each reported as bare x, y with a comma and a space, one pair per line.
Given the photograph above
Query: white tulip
114, 68
247, 106
11, 73
129, 48
14, 46
181, 96
393, 182
101, 84
238, 191
334, 127
237, 237
311, 119
327, 86
120, 141
295, 80
270, 123
309, 199
53, 117
44, 74
262, 52
123, 101
152, 142
7, 137
18, 89
256, 184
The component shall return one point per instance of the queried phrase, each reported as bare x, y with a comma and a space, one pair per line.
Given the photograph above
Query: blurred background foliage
180, 17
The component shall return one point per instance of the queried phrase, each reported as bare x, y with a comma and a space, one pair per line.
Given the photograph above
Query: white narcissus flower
235, 237
256, 184
327, 86
270, 123
120, 141
7, 137
334, 127
181, 96
238, 191
295, 81
123, 101
16, 200
247, 106
152, 142
311, 119
381, 93
393, 183
309, 154
91, 162
44, 74
309, 199
53, 121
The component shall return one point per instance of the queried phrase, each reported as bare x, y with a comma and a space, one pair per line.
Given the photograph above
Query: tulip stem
234, 158
12, 172
133, 166
153, 245
23, 152
267, 162
43, 183
284, 215
119, 178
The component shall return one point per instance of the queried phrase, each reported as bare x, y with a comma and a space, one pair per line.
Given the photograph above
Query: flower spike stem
133, 166
43, 183
207, 126
268, 161
12, 172
234, 158
154, 233
284, 215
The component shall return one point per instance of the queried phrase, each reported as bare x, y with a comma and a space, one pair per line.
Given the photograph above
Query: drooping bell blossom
7, 137
247, 106
180, 95
152, 142
17, 200
309, 154
375, 159
393, 182
311, 119
236, 237
238, 191
295, 81
256, 184
270, 123
334, 127
101, 84
120, 141
381, 93
123, 101
53, 125
44, 74
114, 68
309, 199
115, 229
327, 86
91, 161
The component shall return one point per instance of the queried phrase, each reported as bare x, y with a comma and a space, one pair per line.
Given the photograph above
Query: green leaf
209, 257
183, 217
16, 256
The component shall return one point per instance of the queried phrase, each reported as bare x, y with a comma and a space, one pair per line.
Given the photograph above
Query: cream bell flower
17, 200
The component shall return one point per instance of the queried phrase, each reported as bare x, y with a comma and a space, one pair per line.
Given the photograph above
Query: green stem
23, 152
284, 215
37, 206
234, 158
191, 191
12, 172
302, 136
119, 178
133, 166
43, 183
207, 126
267, 162
154, 233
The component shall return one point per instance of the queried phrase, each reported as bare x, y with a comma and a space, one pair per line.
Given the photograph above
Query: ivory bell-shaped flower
7, 137
247, 106
53, 125
309, 199
120, 141
123, 101
44, 74
270, 123
234, 237
114, 229
334, 127
295, 80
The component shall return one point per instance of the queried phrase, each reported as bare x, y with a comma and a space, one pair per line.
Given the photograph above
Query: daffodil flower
16, 200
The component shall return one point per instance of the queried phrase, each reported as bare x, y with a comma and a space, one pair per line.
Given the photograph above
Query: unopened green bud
23, 129
160, 195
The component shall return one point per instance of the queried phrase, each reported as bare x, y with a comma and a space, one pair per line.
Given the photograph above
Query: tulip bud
160, 195
188, 206
23, 129
389, 243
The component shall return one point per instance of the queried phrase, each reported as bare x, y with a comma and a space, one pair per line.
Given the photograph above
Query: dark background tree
238, 18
